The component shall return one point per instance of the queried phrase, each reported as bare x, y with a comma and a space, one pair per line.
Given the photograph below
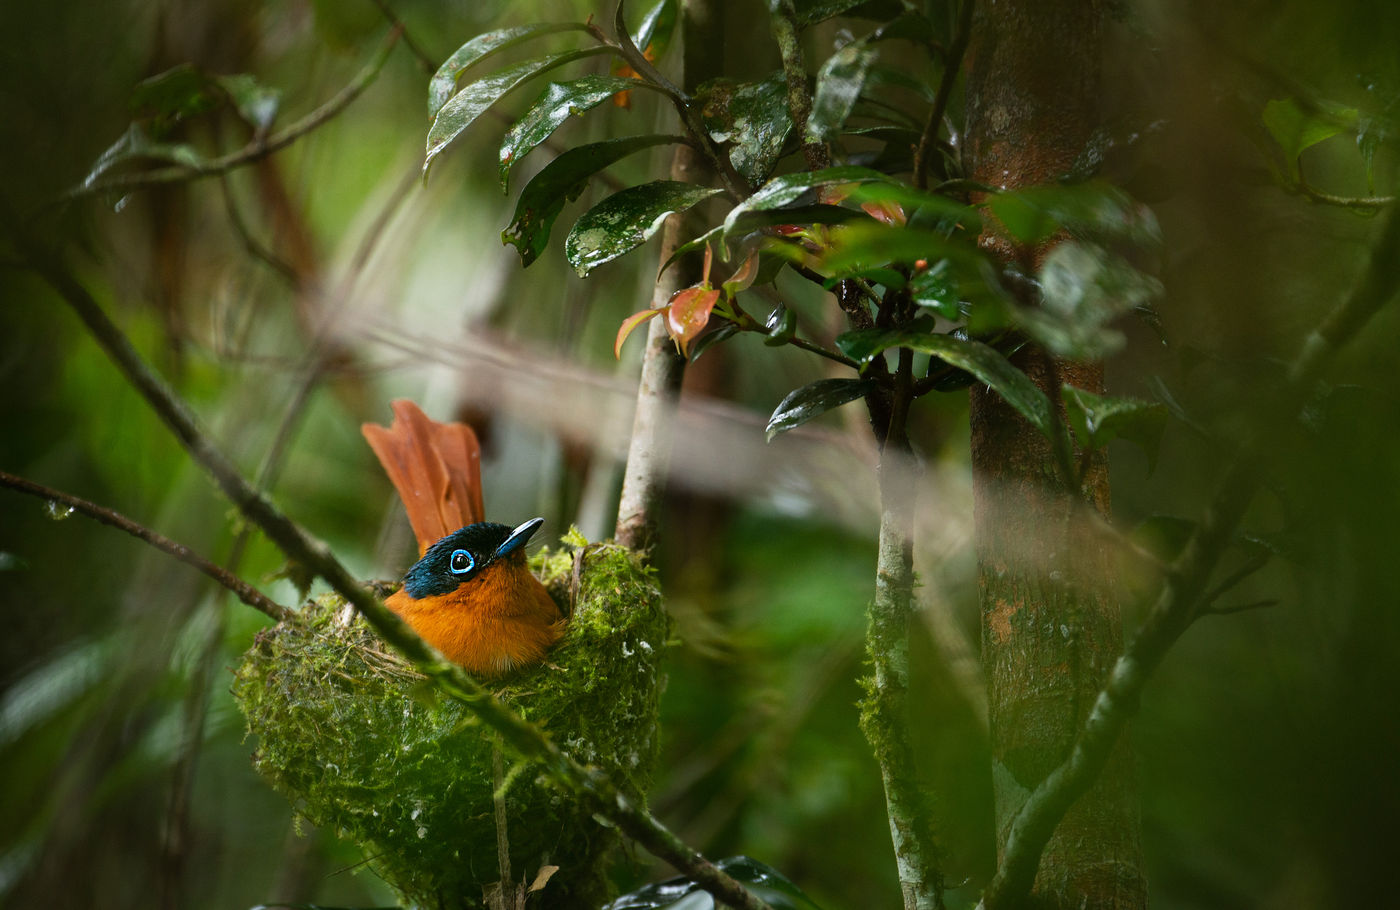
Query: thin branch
952, 64
1360, 203
260, 147
1238, 608
251, 244
244, 591
426, 63
592, 786
1182, 598
885, 709
734, 182
799, 98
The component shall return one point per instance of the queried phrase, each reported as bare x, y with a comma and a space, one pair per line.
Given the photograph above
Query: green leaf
626, 220
1087, 210
753, 117
474, 98
444, 82
810, 12
554, 106
982, 361
1296, 129
561, 180
815, 399
798, 215
782, 325
177, 94
789, 188
1084, 287
724, 332
839, 84
1098, 419
763, 881
936, 289
656, 28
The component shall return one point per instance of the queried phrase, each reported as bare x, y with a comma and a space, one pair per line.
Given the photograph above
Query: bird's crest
436, 467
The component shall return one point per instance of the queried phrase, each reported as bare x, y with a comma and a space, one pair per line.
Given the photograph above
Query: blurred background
291, 301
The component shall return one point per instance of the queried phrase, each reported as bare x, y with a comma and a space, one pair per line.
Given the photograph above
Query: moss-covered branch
885, 709
1185, 592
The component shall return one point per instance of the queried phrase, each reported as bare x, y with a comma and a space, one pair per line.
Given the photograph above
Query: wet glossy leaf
1296, 129
782, 325
924, 209
1086, 210
135, 145
444, 82
559, 101
839, 84
178, 93
936, 289
561, 180
654, 34
464, 107
979, 359
630, 323
627, 219
788, 189
1083, 289
860, 247
798, 215
743, 277
814, 400
689, 313
754, 119
711, 338
1099, 419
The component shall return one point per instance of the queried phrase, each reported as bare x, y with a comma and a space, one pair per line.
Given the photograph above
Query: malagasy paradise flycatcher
470, 595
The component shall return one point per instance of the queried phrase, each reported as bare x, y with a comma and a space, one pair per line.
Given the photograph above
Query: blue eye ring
461, 562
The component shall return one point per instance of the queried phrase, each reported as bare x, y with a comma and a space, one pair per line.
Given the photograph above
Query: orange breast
499, 621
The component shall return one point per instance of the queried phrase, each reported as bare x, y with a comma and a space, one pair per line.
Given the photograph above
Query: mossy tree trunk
1050, 624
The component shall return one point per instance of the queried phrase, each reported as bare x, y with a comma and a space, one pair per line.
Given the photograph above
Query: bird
471, 594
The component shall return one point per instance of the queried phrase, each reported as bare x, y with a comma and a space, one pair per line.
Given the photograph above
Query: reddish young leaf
689, 313
886, 210
630, 323
743, 276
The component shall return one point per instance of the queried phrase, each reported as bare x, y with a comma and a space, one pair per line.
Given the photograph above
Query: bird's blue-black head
463, 555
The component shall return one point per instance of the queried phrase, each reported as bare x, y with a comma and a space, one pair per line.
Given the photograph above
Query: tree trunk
663, 369
1050, 624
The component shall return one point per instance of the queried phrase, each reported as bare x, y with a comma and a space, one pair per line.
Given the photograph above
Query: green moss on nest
362, 744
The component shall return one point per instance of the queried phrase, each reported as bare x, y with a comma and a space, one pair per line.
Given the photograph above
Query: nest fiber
365, 746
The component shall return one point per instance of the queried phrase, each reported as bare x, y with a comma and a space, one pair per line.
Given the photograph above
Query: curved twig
244, 591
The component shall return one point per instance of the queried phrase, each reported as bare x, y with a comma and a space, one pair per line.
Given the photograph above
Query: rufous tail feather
436, 467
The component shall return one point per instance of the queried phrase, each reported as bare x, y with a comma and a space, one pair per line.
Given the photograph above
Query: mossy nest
365, 746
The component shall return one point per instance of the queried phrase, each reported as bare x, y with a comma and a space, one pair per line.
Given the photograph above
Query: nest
365, 746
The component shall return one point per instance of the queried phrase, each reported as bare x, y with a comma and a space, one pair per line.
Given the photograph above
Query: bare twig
1183, 594
425, 60
952, 63
244, 591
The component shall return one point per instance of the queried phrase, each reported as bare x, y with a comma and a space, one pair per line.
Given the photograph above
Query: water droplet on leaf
57, 510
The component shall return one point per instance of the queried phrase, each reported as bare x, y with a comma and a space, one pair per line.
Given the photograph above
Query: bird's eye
462, 562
